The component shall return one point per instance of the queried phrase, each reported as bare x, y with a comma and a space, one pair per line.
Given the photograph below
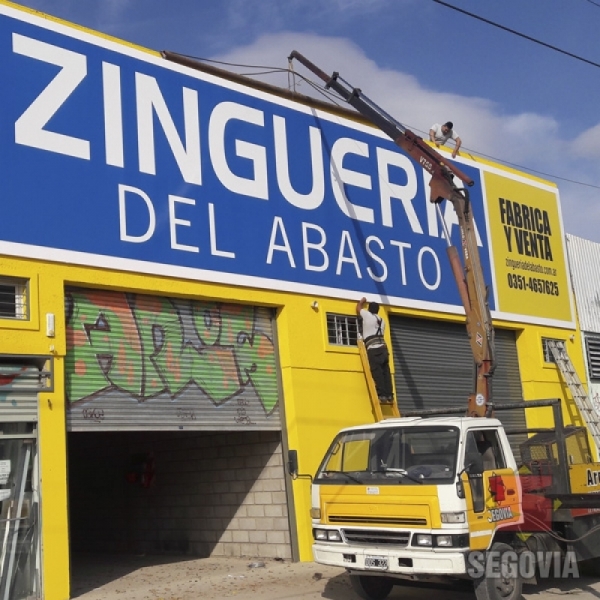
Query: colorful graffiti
148, 345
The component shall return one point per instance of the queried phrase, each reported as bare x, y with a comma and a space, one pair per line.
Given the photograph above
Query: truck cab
412, 497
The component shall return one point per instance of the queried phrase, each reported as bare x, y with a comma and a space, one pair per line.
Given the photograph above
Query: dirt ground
159, 578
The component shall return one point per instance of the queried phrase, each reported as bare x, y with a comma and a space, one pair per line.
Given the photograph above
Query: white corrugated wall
584, 261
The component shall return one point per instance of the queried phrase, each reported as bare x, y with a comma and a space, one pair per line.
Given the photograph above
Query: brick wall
214, 494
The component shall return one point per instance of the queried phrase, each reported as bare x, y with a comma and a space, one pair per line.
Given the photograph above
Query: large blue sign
112, 156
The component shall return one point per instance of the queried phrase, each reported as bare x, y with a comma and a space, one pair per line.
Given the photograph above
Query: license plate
376, 562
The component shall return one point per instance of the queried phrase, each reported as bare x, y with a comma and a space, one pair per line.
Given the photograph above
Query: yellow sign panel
529, 258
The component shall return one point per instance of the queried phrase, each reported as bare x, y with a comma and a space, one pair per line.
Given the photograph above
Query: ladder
391, 410
559, 352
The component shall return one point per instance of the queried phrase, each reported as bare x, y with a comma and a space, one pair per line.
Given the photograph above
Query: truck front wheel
501, 580
371, 587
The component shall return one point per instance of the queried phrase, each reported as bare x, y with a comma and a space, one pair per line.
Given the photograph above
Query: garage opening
188, 493
175, 436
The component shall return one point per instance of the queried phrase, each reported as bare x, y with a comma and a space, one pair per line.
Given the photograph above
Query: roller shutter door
140, 362
434, 368
21, 379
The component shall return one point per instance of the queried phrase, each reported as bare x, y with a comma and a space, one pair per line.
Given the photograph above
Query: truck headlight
320, 534
423, 539
453, 517
327, 535
443, 541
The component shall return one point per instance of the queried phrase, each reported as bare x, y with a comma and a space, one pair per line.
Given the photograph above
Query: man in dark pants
373, 327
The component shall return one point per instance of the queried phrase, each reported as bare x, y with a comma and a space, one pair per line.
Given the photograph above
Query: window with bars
342, 329
14, 298
592, 348
548, 356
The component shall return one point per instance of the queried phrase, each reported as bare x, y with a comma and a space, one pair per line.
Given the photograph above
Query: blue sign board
116, 157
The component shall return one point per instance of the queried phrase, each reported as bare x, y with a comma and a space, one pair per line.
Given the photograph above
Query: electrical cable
334, 100
528, 169
231, 64
545, 528
263, 72
523, 35
270, 69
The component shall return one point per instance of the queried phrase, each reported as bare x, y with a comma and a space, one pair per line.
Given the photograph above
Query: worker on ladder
373, 327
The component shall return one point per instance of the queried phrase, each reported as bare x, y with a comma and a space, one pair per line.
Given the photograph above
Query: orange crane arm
468, 273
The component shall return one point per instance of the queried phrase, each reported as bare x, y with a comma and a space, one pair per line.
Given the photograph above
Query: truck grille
402, 521
364, 536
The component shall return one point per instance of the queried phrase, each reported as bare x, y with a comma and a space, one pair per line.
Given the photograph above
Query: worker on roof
440, 134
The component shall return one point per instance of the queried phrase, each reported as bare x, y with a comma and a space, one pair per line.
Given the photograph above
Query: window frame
491, 437
347, 336
22, 299
546, 354
593, 364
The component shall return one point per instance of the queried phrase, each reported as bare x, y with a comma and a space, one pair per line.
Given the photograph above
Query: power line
527, 37
530, 170
594, 3
333, 99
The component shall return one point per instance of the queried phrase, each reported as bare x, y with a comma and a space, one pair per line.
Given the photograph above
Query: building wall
542, 380
323, 386
584, 264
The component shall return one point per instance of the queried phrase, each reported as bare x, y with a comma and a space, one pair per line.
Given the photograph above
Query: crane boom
467, 272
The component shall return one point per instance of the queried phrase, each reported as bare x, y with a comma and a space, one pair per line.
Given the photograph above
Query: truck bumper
401, 562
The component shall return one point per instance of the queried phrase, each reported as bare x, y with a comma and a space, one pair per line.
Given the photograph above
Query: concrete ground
179, 578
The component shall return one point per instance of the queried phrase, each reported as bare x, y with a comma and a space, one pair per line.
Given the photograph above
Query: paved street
162, 578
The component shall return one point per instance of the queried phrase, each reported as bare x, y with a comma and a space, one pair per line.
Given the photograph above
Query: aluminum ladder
582, 400
391, 410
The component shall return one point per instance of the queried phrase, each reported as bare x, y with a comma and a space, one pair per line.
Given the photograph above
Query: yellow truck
435, 497
441, 499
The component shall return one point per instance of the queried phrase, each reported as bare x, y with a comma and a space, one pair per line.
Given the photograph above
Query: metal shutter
434, 369
21, 379
138, 362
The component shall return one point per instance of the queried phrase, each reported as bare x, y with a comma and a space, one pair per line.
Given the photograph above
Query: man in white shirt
440, 134
373, 327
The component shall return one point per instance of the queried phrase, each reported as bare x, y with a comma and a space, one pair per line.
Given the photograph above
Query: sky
511, 99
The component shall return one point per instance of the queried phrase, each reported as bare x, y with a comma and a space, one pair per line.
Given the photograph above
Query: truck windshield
398, 455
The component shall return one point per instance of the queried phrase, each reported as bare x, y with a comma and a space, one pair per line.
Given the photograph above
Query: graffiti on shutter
142, 347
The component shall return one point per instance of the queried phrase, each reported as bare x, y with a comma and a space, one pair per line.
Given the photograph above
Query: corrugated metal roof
584, 263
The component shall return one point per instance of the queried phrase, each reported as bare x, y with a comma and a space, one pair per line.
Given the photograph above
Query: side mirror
292, 463
292, 466
472, 470
475, 467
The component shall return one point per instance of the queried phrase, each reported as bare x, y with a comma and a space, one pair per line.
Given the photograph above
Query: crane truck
438, 496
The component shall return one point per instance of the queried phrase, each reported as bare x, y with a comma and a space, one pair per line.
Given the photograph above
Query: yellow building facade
101, 294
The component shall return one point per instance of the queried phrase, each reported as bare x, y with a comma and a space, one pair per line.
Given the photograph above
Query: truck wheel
501, 580
369, 587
